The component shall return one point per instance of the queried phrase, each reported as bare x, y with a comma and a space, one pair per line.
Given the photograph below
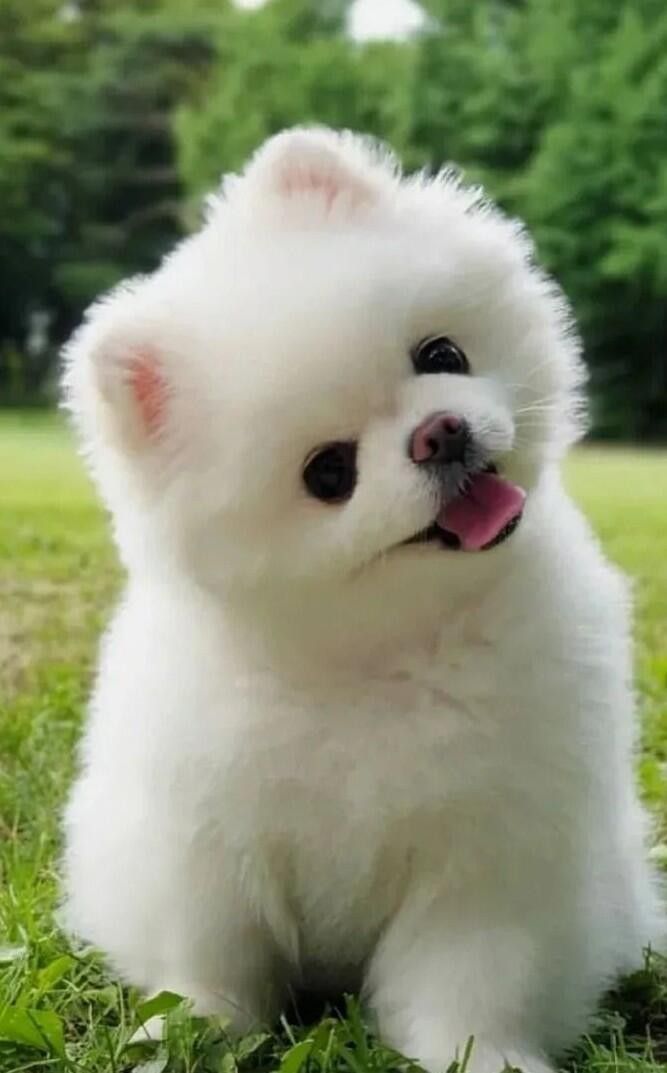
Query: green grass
59, 1010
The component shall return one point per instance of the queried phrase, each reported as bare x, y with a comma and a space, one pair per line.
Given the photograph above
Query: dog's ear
116, 382
321, 165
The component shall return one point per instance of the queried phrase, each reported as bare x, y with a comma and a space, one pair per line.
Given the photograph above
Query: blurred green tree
595, 193
38, 59
87, 157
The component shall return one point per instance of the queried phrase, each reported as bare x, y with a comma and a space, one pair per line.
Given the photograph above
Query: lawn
59, 1010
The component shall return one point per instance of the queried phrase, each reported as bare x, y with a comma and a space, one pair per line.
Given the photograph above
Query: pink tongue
477, 516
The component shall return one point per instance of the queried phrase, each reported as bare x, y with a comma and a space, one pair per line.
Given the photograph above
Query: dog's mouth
482, 515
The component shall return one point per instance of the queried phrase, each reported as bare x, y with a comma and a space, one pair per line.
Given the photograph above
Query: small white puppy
364, 715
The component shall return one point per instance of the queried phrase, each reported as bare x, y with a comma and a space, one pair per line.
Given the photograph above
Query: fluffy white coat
316, 756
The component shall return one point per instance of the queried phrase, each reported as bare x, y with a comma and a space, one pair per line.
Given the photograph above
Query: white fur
312, 760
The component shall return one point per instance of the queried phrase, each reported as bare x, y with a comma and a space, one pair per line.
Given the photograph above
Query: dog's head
343, 367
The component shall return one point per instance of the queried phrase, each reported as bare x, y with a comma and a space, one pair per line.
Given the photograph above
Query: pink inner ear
308, 180
318, 174
149, 388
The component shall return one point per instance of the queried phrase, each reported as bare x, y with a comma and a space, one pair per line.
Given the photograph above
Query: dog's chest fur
341, 795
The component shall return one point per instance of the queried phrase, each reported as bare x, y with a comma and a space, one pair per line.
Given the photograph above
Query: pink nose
442, 437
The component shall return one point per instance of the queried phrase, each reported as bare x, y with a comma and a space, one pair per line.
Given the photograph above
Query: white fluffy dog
364, 716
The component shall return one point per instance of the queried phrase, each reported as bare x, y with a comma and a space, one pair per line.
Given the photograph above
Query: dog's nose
442, 437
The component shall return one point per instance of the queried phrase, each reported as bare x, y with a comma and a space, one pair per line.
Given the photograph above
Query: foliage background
116, 116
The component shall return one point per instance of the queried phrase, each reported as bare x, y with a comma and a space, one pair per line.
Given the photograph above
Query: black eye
330, 474
439, 355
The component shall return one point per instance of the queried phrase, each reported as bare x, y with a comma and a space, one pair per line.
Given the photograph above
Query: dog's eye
439, 355
330, 473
